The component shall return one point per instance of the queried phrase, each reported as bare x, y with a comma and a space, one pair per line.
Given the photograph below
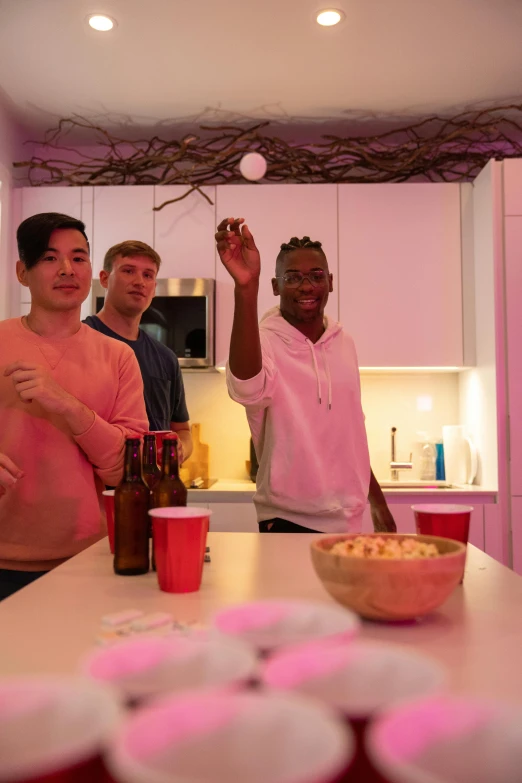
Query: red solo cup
108, 496
55, 730
249, 737
448, 738
446, 521
358, 680
180, 538
160, 434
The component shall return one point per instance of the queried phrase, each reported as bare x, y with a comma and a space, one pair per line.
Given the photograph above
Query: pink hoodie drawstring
327, 370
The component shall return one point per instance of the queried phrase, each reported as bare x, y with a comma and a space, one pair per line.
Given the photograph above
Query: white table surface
49, 625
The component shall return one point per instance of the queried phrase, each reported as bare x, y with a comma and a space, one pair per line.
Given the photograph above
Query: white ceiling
171, 60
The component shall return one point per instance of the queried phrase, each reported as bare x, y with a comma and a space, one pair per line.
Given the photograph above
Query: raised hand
237, 251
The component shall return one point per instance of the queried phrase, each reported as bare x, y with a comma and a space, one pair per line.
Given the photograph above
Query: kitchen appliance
460, 455
181, 316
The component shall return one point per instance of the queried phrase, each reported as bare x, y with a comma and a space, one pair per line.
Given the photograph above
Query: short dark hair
130, 249
34, 233
296, 244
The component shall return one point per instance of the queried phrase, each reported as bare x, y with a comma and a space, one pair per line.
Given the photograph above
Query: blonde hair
129, 249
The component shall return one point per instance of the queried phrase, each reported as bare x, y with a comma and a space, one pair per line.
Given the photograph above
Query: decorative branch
436, 149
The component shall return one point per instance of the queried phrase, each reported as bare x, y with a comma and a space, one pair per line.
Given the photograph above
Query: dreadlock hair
296, 244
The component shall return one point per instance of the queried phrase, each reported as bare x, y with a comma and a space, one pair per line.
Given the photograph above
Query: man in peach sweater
69, 397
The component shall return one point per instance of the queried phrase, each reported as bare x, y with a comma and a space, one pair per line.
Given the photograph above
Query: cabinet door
274, 214
512, 186
121, 213
233, 518
184, 232
516, 533
513, 261
68, 201
400, 290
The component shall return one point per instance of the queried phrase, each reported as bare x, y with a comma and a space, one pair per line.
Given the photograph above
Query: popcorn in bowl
391, 548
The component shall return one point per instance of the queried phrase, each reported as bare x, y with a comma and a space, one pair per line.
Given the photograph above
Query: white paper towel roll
460, 455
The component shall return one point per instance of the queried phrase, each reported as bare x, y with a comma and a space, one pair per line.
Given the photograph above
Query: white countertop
49, 625
242, 491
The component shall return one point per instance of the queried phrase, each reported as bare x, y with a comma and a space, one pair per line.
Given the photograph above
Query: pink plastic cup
108, 496
55, 730
180, 538
446, 521
358, 680
235, 737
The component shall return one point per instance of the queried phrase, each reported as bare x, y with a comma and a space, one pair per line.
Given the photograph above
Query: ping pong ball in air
252, 166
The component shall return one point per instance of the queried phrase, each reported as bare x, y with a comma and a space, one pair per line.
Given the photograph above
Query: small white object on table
49, 625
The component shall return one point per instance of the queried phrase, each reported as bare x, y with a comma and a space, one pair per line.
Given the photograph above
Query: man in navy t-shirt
129, 275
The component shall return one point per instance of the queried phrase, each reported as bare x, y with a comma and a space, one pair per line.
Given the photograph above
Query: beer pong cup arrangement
270, 625
108, 498
229, 737
358, 681
443, 520
140, 669
54, 730
449, 740
180, 537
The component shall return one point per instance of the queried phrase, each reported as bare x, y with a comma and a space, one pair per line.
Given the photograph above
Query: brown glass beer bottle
170, 490
151, 475
131, 524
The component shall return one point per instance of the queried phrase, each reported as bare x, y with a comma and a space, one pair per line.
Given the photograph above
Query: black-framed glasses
294, 279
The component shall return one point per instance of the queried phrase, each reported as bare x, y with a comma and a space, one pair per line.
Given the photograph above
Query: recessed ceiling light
329, 17
101, 23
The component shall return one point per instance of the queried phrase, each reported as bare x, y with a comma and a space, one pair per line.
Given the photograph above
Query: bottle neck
170, 467
132, 464
149, 455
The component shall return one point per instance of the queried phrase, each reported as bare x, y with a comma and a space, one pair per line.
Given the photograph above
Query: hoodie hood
273, 321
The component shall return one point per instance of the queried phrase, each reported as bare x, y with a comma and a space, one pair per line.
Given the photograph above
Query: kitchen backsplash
411, 402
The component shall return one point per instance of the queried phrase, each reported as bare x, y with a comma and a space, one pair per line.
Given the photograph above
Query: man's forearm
375, 493
78, 416
186, 441
382, 518
245, 360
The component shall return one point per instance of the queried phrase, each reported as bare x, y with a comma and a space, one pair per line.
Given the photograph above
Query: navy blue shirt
162, 380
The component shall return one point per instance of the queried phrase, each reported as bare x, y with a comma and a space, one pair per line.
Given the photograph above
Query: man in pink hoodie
297, 375
69, 397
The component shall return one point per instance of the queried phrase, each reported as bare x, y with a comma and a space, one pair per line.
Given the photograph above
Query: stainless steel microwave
181, 316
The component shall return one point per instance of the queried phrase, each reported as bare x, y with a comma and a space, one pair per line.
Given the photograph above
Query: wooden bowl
386, 589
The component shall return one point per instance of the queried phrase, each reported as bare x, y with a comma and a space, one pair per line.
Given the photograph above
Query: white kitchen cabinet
233, 517
274, 214
516, 533
121, 212
512, 170
68, 201
513, 273
400, 289
184, 232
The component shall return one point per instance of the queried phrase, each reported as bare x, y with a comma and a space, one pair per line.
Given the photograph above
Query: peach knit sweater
55, 510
